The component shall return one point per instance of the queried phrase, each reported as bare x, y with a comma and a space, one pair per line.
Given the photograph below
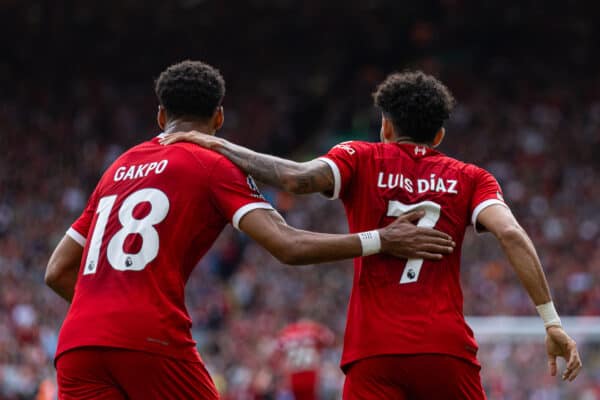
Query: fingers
412, 216
436, 248
574, 365
174, 138
440, 241
552, 364
432, 233
427, 244
428, 256
191, 136
434, 241
425, 239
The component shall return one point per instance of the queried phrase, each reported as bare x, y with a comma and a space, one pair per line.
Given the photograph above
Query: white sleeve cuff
482, 206
76, 236
239, 214
337, 178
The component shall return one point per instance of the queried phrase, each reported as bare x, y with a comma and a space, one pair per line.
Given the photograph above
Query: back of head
190, 89
416, 103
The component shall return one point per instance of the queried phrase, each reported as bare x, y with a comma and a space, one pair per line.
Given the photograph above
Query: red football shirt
153, 215
408, 306
301, 343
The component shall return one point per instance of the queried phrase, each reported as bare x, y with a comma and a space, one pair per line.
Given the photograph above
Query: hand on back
402, 238
199, 138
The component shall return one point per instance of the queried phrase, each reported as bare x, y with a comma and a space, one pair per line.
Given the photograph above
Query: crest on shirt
420, 150
254, 187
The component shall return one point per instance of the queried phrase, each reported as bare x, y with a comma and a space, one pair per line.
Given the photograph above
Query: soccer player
124, 263
301, 344
406, 337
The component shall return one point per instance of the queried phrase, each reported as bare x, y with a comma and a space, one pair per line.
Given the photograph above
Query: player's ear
439, 136
387, 133
161, 117
218, 118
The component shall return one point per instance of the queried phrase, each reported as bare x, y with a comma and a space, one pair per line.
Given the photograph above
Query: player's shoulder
206, 158
466, 168
195, 151
467, 172
181, 154
355, 147
473, 170
151, 156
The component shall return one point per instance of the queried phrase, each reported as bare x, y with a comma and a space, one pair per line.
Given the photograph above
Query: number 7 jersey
153, 215
408, 306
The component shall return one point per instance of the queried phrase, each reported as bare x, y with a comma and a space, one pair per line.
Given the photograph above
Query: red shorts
304, 385
104, 373
414, 377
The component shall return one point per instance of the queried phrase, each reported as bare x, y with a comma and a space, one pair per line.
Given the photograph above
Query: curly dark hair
417, 104
190, 88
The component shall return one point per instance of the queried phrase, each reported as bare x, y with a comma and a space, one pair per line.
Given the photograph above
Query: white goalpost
507, 328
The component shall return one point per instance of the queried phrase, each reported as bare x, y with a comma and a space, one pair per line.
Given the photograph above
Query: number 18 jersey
155, 212
408, 306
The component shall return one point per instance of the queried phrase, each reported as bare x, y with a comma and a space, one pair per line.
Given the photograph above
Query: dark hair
417, 104
190, 88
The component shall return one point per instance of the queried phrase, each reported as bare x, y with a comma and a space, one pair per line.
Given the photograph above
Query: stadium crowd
538, 134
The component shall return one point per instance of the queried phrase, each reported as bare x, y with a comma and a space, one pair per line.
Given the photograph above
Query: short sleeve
343, 160
80, 228
486, 192
234, 193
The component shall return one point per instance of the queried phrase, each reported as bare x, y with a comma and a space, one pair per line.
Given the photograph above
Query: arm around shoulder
295, 177
313, 176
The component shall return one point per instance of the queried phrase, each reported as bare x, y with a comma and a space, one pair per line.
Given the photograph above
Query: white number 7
432, 215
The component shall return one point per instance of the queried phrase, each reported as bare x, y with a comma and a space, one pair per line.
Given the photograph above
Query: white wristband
370, 242
548, 314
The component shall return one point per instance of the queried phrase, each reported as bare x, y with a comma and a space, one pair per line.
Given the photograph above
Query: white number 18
432, 215
117, 258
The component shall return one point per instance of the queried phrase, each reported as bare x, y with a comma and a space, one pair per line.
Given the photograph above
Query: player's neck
186, 125
409, 140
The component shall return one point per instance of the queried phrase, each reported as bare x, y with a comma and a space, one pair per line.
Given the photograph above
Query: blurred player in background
124, 263
406, 336
301, 344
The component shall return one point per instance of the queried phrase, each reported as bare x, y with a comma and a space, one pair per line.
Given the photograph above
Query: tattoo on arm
317, 177
308, 177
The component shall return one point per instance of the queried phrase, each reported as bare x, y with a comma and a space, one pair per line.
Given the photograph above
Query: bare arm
519, 249
521, 253
293, 246
63, 267
307, 177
